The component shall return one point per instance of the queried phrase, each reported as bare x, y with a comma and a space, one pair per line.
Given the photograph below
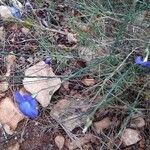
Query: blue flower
26, 104
15, 12
48, 61
142, 62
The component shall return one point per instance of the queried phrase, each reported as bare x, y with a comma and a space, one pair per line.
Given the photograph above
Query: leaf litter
66, 109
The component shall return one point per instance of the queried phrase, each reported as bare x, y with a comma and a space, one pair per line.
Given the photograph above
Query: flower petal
28, 110
26, 104
18, 97
146, 64
138, 60
15, 12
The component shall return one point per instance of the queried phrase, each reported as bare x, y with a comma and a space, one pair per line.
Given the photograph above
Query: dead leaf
14, 147
42, 82
83, 27
17, 4
59, 140
71, 38
10, 59
66, 85
60, 113
130, 137
59, 108
137, 122
71, 145
101, 125
88, 82
86, 53
25, 30
2, 34
10, 116
5, 12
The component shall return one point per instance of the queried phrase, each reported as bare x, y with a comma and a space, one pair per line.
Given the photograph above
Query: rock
71, 145
137, 122
88, 82
101, 125
42, 82
10, 116
59, 140
130, 137
14, 147
60, 113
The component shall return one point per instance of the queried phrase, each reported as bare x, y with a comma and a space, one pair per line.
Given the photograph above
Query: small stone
59, 140
137, 122
130, 137
101, 125
88, 82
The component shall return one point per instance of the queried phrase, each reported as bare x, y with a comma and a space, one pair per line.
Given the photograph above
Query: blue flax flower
48, 61
143, 63
15, 12
26, 104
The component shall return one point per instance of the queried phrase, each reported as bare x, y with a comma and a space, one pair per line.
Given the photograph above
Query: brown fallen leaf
10, 116
102, 124
2, 34
61, 114
10, 59
42, 82
88, 82
130, 137
3, 86
14, 147
5, 12
71, 38
71, 145
25, 30
137, 122
59, 141
83, 27
66, 85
